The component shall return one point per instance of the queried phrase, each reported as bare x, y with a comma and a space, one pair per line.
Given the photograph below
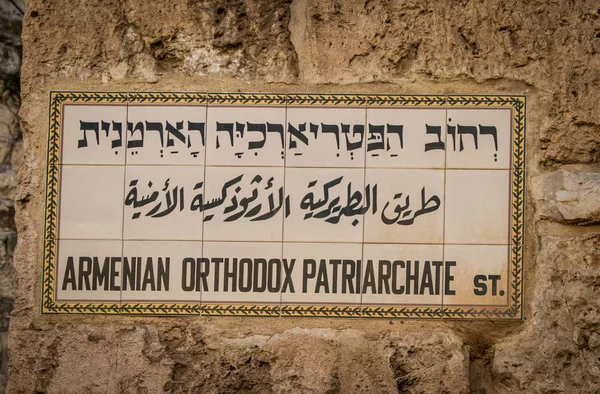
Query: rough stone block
558, 351
568, 197
241, 38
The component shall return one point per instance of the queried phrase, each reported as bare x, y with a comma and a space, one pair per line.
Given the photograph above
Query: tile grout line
364, 229
123, 200
204, 194
122, 226
285, 146
443, 290
292, 242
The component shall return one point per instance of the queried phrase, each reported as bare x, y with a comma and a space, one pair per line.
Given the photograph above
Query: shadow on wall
11, 17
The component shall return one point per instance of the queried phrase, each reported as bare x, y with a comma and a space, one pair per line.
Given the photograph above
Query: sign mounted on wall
285, 205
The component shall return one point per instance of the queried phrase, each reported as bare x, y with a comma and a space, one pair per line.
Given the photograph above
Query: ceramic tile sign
252, 204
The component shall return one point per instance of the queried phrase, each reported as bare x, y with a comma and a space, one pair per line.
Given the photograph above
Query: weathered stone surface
573, 143
183, 358
10, 40
558, 351
8, 275
321, 361
114, 40
10, 150
547, 50
431, 362
398, 40
533, 44
569, 197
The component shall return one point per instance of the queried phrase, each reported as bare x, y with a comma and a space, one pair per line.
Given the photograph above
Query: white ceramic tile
323, 273
406, 138
326, 137
326, 204
244, 204
166, 134
163, 202
88, 270
479, 138
160, 271
243, 136
242, 272
409, 206
94, 134
91, 202
403, 274
477, 206
480, 276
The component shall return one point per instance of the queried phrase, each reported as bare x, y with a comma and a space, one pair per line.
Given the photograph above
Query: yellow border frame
515, 102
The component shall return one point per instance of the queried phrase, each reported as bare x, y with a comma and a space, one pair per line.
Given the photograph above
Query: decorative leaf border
311, 99
167, 98
321, 310
406, 100
55, 108
246, 98
517, 103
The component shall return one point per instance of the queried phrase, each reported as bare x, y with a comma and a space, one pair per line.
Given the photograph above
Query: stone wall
549, 51
11, 150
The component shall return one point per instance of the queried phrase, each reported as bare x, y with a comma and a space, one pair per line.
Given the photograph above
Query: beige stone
196, 357
570, 197
147, 41
557, 351
10, 141
548, 51
342, 42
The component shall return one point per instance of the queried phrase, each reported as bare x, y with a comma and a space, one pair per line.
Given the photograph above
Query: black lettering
448, 278
260, 272
114, 274
426, 280
138, 270
100, 276
494, 279
232, 275
245, 275
149, 278
385, 272
480, 285
348, 272
164, 268
129, 274
217, 261
397, 289
69, 277
274, 281
203, 271
84, 273
358, 274
188, 274
334, 279
308, 263
438, 275
287, 270
322, 280
369, 281
412, 276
